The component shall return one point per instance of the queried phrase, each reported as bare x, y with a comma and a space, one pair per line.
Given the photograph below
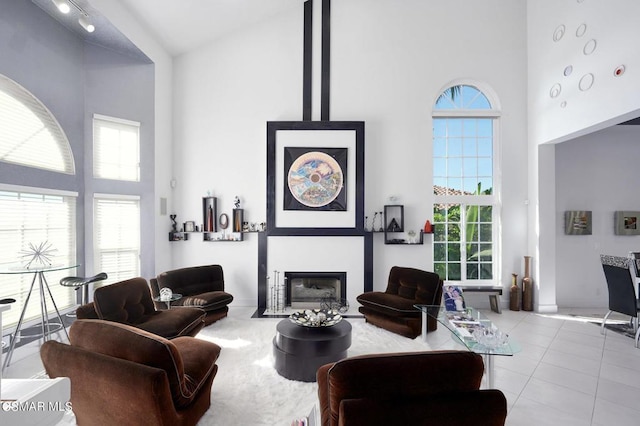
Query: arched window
465, 210
29, 134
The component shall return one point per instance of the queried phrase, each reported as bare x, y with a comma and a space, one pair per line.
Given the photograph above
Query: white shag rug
247, 388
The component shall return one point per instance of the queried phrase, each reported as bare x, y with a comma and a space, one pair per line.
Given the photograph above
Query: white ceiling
183, 25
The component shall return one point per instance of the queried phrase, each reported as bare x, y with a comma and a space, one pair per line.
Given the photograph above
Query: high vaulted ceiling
178, 25
184, 25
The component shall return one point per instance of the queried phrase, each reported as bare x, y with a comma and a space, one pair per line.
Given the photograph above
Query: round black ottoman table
299, 351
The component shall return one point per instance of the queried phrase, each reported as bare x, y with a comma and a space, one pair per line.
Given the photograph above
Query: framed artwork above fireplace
315, 178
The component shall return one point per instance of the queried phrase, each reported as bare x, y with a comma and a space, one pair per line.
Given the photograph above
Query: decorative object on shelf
38, 254
393, 226
223, 221
236, 202
514, 294
373, 224
428, 228
316, 318
174, 224
527, 286
252, 227
189, 226
380, 229
412, 236
238, 219
366, 223
245, 226
336, 304
263, 226
577, 222
315, 178
209, 214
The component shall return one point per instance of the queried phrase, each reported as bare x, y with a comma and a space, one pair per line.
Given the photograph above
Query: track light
62, 6
86, 24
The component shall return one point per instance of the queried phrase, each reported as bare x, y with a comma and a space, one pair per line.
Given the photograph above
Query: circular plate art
316, 318
315, 179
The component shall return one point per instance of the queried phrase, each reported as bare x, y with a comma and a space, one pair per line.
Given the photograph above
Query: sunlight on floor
227, 343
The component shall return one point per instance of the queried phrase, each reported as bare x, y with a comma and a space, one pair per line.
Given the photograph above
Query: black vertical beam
307, 60
368, 262
326, 60
262, 271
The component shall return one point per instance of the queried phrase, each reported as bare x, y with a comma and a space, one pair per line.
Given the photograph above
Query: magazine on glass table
463, 323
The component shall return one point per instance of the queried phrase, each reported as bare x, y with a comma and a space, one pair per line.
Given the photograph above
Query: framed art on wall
315, 177
577, 222
627, 222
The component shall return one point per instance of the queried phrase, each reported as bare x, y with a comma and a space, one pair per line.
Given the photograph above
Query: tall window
117, 236
29, 134
464, 184
116, 149
34, 216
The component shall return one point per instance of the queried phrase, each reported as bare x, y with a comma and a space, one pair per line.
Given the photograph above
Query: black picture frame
339, 155
315, 135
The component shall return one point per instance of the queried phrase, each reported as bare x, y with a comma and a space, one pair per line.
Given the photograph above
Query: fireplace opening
309, 289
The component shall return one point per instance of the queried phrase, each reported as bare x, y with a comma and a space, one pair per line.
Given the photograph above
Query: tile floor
566, 372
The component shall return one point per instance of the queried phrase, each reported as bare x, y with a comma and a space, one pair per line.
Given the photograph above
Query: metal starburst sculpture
39, 253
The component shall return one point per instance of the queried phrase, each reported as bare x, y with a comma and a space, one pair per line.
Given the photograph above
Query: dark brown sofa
393, 309
200, 286
439, 388
121, 375
130, 302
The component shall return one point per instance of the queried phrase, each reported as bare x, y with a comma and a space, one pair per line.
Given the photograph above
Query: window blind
29, 134
31, 217
117, 236
116, 149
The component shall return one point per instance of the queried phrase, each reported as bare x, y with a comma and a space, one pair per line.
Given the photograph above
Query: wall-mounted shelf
393, 227
214, 227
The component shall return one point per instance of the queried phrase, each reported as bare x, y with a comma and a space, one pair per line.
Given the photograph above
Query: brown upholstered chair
121, 375
200, 286
439, 388
130, 302
393, 309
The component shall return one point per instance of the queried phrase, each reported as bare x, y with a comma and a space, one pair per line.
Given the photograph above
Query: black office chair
83, 284
622, 292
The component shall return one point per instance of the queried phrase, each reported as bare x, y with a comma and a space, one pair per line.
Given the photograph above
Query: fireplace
309, 289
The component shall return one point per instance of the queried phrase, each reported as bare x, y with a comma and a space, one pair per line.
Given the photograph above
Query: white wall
597, 172
163, 101
610, 98
574, 112
390, 60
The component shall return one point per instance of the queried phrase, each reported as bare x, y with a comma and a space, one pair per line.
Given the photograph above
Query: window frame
18, 287
493, 199
98, 162
115, 275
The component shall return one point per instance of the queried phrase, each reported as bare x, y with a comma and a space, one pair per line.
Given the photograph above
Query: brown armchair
130, 302
121, 375
200, 286
393, 309
438, 388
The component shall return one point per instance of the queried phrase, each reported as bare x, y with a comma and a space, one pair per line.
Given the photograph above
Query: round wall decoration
315, 179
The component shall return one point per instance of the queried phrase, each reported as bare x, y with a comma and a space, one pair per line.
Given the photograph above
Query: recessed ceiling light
62, 6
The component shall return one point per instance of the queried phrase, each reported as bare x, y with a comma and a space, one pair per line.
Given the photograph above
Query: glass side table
168, 299
475, 332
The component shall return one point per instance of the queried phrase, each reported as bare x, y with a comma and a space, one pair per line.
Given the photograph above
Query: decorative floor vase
527, 286
514, 294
